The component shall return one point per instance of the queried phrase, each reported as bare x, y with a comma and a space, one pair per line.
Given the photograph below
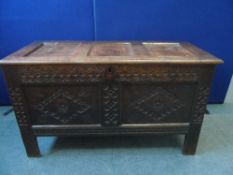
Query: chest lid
68, 52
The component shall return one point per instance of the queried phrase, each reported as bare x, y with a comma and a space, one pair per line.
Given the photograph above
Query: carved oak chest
109, 88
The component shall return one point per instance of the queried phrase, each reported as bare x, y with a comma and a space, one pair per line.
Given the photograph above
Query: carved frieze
153, 73
62, 74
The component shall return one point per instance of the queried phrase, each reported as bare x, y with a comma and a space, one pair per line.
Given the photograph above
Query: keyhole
109, 73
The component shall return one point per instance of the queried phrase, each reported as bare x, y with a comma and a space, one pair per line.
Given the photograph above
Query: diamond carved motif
158, 104
63, 107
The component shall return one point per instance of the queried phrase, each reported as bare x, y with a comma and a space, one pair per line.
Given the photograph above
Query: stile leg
30, 142
191, 139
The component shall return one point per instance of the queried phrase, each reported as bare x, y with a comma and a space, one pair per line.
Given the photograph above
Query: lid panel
111, 49
109, 53
168, 50
55, 49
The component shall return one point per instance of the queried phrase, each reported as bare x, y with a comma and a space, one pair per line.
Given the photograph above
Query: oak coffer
109, 88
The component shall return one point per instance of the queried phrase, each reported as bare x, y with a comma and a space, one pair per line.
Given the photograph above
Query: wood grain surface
110, 53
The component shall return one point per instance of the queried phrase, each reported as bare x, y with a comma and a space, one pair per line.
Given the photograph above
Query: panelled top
110, 52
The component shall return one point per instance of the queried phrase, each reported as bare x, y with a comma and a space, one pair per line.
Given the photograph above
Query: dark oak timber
109, 88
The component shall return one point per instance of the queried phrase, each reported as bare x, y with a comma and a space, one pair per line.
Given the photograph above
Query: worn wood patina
109, 88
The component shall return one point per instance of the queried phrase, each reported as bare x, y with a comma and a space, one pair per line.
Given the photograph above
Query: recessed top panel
110, 49
56, 49
109, 53
168, 50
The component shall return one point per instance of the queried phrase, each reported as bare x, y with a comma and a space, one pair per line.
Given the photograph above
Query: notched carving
200, 105
63, 74
111, 100
17, 102
138, 74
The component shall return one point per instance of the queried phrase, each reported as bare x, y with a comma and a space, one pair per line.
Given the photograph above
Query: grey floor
123, 155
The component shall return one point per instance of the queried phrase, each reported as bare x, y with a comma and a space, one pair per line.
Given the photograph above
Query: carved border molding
17, 99
137, 74
201, 102
61, 78
96, 73
62, 74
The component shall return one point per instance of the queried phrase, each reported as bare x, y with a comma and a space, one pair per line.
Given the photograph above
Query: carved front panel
63, 104
157, 102
111, 94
